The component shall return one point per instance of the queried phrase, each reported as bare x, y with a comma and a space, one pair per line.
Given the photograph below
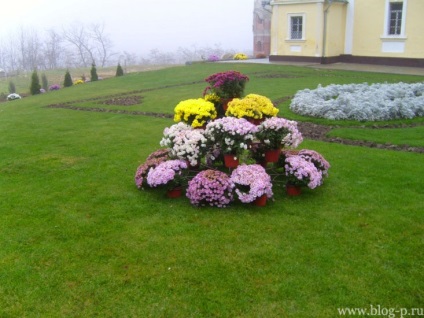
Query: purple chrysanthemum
302, 172
166, 172
251, 182
210, 187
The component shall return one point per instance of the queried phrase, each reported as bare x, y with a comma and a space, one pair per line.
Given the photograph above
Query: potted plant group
227, 140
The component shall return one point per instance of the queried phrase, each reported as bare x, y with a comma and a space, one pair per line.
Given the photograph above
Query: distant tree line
82, 45
76, 46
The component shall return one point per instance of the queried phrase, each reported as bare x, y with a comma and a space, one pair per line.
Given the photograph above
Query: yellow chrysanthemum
195, 112
252, 106
264, 105
213, 98
240, 56
243, 108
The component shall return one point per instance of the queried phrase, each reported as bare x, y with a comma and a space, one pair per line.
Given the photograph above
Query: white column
350, 16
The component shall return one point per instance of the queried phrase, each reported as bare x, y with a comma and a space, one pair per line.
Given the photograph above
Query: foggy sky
138, 26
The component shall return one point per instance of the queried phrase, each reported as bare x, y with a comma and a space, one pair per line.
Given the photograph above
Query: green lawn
79, 240
413, 136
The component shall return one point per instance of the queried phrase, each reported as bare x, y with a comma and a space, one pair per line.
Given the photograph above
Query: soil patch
123, 101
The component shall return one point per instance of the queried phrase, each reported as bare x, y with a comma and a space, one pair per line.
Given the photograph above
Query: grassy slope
79, 240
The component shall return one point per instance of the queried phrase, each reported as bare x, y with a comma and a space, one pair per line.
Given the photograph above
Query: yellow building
387, 32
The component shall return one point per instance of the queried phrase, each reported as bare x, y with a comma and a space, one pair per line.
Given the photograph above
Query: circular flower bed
220, 162
361, 102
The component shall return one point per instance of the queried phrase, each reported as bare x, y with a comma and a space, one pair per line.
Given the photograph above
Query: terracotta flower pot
224, 103
293, 190
260, 201
231, 161
175, 192
272, 155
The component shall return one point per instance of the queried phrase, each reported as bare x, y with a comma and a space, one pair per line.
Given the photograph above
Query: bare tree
102, 42
53, 50
29, 49
158, 57
11, 56
77, 36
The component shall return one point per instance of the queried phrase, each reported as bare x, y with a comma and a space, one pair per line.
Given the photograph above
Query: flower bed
13, 96
361, 102
240, 56
242, 144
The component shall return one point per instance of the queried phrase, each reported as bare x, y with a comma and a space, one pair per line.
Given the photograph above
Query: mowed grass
412, 136
79, 240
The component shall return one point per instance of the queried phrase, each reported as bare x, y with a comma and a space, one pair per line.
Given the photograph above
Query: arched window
259, 46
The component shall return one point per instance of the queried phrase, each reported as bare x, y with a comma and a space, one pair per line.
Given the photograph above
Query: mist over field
48, 34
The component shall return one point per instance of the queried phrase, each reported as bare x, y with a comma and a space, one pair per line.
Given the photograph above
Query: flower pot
259, 121
175, 192
260, 201
293, 190
272, 155
225, 102
231, 161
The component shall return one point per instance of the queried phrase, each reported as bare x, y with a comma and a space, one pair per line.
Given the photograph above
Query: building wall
415, 29
311, 45
261, 29
336, 30
355, 30
370, 39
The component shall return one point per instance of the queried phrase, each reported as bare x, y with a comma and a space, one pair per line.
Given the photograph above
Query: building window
296, 27
395, 18
259, 46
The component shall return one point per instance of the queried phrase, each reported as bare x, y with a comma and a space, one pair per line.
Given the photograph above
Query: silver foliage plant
361, 102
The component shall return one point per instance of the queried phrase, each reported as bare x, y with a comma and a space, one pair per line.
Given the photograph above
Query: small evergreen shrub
93, 72
44, 82
68, 80
119, 70
35, 84
12, 87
